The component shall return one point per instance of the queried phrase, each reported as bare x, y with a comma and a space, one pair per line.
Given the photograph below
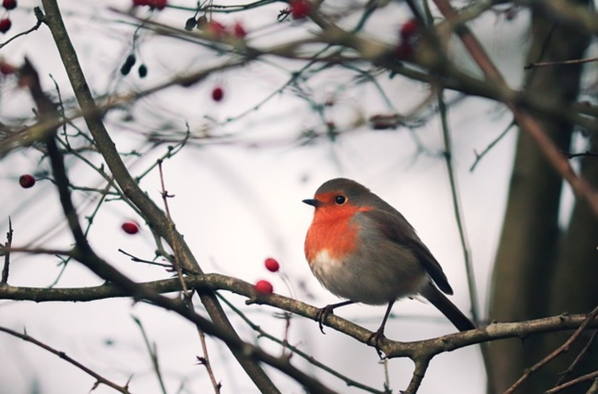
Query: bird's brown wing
394, 225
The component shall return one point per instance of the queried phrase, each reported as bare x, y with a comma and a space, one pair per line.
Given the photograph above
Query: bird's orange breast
332, 230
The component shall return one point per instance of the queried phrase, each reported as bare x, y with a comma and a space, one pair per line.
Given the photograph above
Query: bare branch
588, 377
590, 320
580, 186
153, 352
100, 379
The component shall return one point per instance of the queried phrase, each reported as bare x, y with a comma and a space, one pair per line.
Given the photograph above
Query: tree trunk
525, 260
574, 287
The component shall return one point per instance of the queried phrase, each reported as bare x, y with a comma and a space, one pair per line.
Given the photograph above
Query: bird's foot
374, 340
323, 314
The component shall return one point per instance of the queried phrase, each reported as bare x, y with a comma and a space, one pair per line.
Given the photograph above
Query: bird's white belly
361, 282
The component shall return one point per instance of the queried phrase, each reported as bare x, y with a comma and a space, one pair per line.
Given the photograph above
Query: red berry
409, 28
239, 30
271, 265
217, 94
9, 4
130, 227
263, 287
26, 181
5, 25
300, 8
141, 2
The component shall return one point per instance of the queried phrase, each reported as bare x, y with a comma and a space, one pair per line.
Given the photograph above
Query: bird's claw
322, 314
374, 340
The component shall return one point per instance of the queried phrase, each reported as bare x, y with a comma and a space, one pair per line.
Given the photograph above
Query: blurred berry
142, 71
300, 8
217, 94
5, 25
9, 4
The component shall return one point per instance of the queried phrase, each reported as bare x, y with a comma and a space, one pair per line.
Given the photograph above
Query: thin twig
99, 378
39, 22
587, 153
172, 150
153, 352
479, 156
591, 376
473, 292
580, 356
175, 261
186, 294
563, 348
558, 63
148, 262
6, 250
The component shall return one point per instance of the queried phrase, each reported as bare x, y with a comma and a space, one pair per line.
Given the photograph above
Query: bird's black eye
340, 200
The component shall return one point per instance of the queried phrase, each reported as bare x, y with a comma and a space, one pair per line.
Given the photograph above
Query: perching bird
362, 249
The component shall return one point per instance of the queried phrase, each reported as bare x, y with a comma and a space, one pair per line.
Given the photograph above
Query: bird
362, 249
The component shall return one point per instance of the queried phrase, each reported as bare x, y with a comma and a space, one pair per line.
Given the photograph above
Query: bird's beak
313, 202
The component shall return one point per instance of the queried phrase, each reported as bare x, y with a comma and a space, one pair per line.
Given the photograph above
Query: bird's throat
336, 236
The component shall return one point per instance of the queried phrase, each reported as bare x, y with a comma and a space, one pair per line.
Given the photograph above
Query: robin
362, 249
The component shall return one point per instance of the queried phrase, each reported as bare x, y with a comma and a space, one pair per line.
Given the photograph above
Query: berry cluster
263, 286
6, 23
128, 65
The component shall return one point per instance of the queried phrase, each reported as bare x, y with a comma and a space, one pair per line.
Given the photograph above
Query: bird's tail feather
444, 305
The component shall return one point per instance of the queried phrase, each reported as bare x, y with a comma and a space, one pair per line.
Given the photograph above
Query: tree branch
135, 194
559, 162
99, 378
213, 282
